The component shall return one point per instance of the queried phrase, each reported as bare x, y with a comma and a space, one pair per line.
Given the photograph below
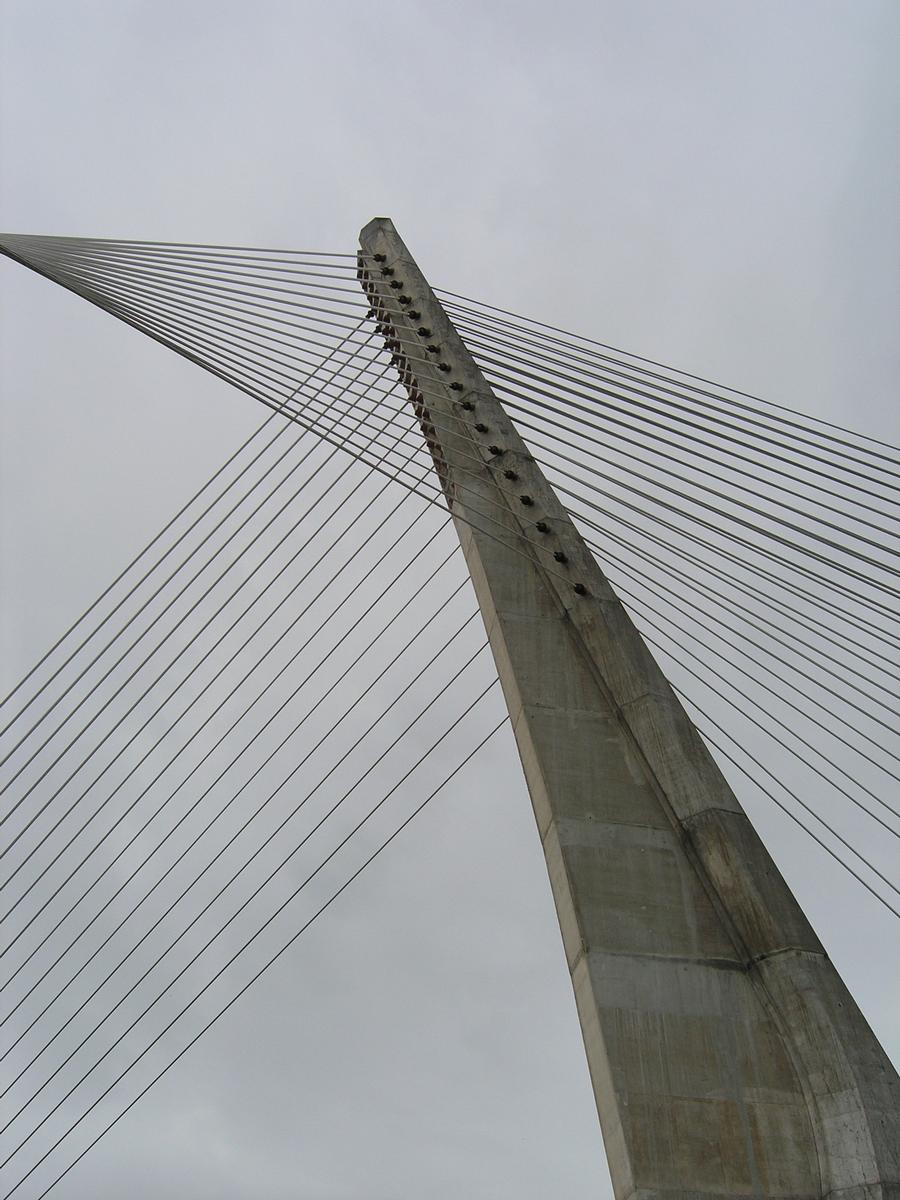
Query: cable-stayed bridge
258, 680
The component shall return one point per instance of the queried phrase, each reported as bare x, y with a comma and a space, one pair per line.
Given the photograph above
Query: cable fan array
293, 667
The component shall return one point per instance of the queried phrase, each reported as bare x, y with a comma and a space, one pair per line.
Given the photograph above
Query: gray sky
715, 185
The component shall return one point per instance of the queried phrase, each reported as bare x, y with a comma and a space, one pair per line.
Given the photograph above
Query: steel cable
222, 811
258, 850
172, 575
262, 970
165, 555
683, 374
247, 901
159, 616
174, 724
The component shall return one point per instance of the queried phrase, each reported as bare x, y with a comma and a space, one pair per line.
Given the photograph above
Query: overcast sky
713, 184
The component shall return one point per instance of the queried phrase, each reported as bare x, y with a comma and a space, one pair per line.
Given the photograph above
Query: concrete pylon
727, 1057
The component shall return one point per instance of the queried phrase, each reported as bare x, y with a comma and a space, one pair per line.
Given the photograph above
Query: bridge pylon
728, 1058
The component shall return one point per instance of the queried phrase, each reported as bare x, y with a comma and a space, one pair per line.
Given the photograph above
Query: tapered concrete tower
727, 1056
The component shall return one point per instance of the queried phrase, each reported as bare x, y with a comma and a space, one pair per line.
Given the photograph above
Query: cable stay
246, 987
216, 710
465, 712
795, 418
310, 712
753, 546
